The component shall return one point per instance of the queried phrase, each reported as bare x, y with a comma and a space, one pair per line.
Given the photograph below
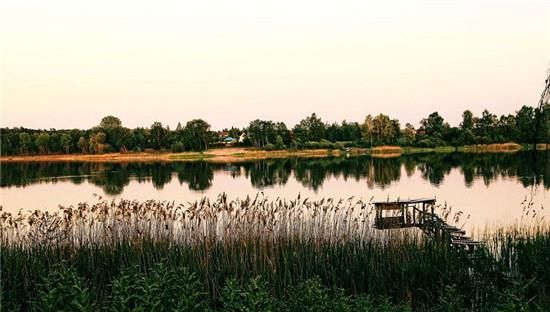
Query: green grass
197, 156
440, 149
259, 255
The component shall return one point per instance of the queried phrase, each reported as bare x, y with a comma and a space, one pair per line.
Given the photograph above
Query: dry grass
387, 149
501, 147
213, 155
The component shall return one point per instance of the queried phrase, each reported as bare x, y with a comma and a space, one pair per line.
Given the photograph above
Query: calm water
491, 188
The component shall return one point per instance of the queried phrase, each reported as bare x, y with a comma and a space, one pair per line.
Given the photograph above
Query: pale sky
66, 64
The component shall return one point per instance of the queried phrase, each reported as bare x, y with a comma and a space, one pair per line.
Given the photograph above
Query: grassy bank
212, 155
259, 255
245, 154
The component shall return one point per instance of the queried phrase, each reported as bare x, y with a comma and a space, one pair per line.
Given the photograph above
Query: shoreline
213, 155
237, 154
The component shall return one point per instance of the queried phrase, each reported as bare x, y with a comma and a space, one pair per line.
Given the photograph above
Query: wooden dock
420, 213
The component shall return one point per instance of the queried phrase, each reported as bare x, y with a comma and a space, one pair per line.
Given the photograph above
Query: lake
490, 188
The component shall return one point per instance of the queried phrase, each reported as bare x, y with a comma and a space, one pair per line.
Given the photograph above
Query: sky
68, 63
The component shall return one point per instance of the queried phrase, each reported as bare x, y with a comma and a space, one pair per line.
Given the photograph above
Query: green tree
110, 122
525, 122
350, 131
434, 129
383, 129
467, 121
66, 142
83, 145
281, 130
98, 143
42, 142
506, 127
279, 143
367, 129
177, 147
197, 135
112, 127
434, 124
158, 134
310, 128
25, 143
409, 134
485, 127
263, 132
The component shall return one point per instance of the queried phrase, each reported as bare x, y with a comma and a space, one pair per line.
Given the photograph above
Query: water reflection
311, 173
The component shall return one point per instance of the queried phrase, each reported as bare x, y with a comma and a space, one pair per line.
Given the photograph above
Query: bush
255, 296
312, 145
311, 295
269, 147
429, 143
279, 143
177, 147
63, 290
162, 289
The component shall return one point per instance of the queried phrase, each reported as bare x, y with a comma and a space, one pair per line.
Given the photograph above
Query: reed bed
109, 223
257, 245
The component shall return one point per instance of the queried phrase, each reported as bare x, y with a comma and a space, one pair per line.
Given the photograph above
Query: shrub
255, 296
63, 290
162, 289
311, 296
177, 147
269, 147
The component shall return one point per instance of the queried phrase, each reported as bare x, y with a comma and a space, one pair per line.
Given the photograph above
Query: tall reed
284, 241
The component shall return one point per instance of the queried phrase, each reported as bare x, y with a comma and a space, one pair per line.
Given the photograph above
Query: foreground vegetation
258, 254
526, 125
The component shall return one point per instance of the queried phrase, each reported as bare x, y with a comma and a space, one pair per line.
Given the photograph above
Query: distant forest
311, 132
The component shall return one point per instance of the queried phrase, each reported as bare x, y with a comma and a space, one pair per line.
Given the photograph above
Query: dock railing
420, 213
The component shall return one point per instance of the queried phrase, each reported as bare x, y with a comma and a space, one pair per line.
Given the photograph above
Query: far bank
235, 154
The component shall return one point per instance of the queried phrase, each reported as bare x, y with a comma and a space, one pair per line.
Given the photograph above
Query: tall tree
158, 134
485, 126
409, 134
42, 142
368, 129
197, 135
25, 143
525, 122
434, 124
66, 142
83, 145
263, 132
310, 128
383, 129
112, 127
467, 121
98, 143
110, 122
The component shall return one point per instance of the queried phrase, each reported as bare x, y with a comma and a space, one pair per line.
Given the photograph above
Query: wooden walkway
420, 213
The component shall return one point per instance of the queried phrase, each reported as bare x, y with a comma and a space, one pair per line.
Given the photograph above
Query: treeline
108, 136
311, 132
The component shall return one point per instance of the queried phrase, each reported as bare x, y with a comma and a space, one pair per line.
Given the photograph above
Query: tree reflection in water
528, 168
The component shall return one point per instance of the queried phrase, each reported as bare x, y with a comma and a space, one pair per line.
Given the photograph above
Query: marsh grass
497, 147
226, 245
